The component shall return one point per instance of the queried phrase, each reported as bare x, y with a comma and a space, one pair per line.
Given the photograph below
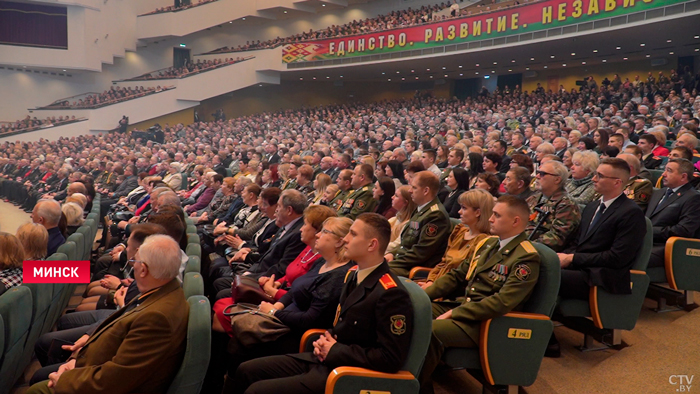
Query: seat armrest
366, 376
308, 338
512, 346
682, 263
419, 273
619, 311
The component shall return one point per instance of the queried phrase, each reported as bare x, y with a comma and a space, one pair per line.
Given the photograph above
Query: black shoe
553, 348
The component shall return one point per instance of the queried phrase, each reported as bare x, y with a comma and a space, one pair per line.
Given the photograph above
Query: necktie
596, 218
669, 191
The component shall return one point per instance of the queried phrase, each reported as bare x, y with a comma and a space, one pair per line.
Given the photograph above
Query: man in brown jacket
141, 346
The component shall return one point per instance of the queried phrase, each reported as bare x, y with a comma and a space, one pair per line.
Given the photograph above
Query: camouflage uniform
639, 189
358, 201
562, 222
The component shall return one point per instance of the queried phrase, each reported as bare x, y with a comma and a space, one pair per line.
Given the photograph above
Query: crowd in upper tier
179, 6
321, 209
188, 69
115, 94
33, 123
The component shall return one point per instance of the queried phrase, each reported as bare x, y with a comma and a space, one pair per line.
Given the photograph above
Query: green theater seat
42, 294
193, 264
193, 238
512, 346
194, 250
56, 298
193, 284
79, 240
190, 376
16, 312
353, 380
608, 312
680, 276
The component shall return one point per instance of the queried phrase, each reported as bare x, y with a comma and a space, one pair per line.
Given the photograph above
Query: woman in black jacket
458, 181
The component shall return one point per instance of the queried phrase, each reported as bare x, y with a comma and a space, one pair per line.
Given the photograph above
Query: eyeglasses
541, 173
134, 261
324, 231
601, 176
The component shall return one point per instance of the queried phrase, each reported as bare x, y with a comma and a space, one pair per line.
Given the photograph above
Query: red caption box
56, 271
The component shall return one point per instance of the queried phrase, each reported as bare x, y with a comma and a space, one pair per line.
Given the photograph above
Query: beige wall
186, 116
569, 76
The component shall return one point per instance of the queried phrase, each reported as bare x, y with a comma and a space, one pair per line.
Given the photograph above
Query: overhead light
487, 76
459, 75
527, 68
328, 77
605, 61
403, 79
182, 45
243, 18
512, 61
443, 67
285, 12
551, 57
260, 85
642, 45
648, 55
431, 77
583, 62
445, 75
624, 58
477, 73
696, 37
341, 76
477, 64
618, 48
532, 58
460, 66
509, 70
545, 66
564, 64
495, 63
383, 73
323, 5
64, 70
314, 78
493, 71
301, 79
416, 77
697, 49
669, 40
670, 53
595, 51
398, 72
230, 21
413, 71
389, 79
427, 69
573, 53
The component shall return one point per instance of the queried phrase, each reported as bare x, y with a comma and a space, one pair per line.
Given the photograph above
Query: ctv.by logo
683, 382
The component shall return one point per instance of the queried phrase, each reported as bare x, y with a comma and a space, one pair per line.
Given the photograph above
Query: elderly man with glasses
554, 218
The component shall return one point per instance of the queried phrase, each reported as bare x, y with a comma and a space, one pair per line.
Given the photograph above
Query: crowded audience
179, 5
113, 95
33, 123
291, 204
188, 69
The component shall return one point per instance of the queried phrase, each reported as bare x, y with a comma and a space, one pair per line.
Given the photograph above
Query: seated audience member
34, 239
213, 182
360, 199
218, 208
383, 192
12, 255
147, 347
321, 183
277, 287
580, 186
404, 205
476, 207
499, 278
674, 210
637, 188
371, 294
72, 326
48, 213
311, 301
74, 217
78, 198
558, 217
517, 182
458, 181
173, 178
424, 239
284, 247
646, 143
608, 237
489, 182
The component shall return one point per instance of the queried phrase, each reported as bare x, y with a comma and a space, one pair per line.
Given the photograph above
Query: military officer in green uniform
498, 279
551, 206
424, 239
360, 200
344, 183
637, 188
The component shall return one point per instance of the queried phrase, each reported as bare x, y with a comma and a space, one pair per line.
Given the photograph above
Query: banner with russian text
516, 20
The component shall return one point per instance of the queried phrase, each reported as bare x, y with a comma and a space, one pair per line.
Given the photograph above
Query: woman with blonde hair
329, 194
404, 205
78, 198
321, 182
74, 217
34, 239
11, 258
468, 236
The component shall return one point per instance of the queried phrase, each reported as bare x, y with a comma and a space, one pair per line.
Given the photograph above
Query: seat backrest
41, 305
190, 376
193, 238
79, 245
642, 259
58, 292
193, 284
191, 229
544, 296
16, 312
422, 327
194, 250
88, 238
193, 264
69, 250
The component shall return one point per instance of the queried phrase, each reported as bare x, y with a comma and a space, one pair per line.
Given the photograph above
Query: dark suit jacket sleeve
126, 187
628, 227
142, 351
684, 226
391, 349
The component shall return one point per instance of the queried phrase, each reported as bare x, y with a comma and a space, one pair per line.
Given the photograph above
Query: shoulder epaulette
527, 245
354, 268
387, 282
364, 189
434, 208
640, 180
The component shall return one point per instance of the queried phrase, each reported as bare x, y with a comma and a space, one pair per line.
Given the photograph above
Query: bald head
47, 212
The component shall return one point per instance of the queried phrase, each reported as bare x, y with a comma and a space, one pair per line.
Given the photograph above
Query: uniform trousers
446, 334
280, 374
574, 284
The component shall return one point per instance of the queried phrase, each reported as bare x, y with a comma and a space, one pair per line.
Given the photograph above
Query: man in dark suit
372, 329
285, 247
608, 240
140, 347
674, 211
